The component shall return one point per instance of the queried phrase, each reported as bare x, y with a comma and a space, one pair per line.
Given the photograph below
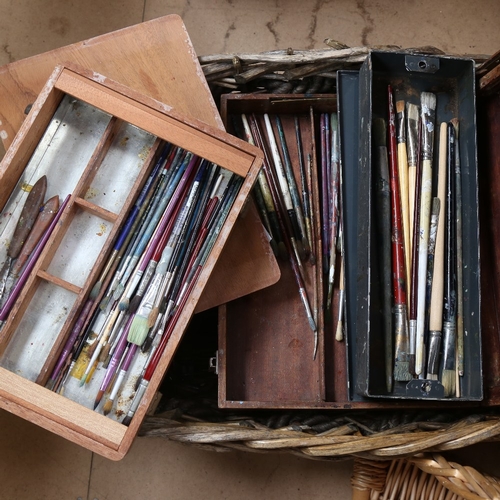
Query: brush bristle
138, 330
448, 382
124, 304
339, 334
412, 111
455, 123
95, 291
126, 421
400, 106
432, 376
402, 371
147, 344
107, 406
103, 305
83, 380
428, 100
134, 304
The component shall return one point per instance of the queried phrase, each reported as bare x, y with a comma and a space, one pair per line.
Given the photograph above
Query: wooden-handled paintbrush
412, 125
412, 323
28, 216
305, 195
428, 112
450, 266
403, 185
436, 305
400, 311
334, 204
292, 184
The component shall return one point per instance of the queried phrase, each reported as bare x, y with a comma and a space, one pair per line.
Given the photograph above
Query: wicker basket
388, 447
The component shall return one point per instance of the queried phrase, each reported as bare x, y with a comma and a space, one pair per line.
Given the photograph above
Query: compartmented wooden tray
96, 141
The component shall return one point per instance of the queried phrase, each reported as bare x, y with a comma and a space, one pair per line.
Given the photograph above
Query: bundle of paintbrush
302, 219
156, 259
419, 213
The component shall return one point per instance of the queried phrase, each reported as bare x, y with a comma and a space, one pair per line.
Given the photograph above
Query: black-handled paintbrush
450, 284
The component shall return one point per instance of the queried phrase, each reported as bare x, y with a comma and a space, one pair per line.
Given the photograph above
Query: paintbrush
401, 368
383, 211
292, 184
303, 184
4, 312
412, 323
266, 195
339, 332
436, 305
334, 212
412, 124
309, 181
450, 266
285, 190
324, 191
435, 209
459, 250
403, 185
428, 112
29, 213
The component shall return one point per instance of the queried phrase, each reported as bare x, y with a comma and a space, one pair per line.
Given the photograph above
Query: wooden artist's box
97, 142
265, 355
